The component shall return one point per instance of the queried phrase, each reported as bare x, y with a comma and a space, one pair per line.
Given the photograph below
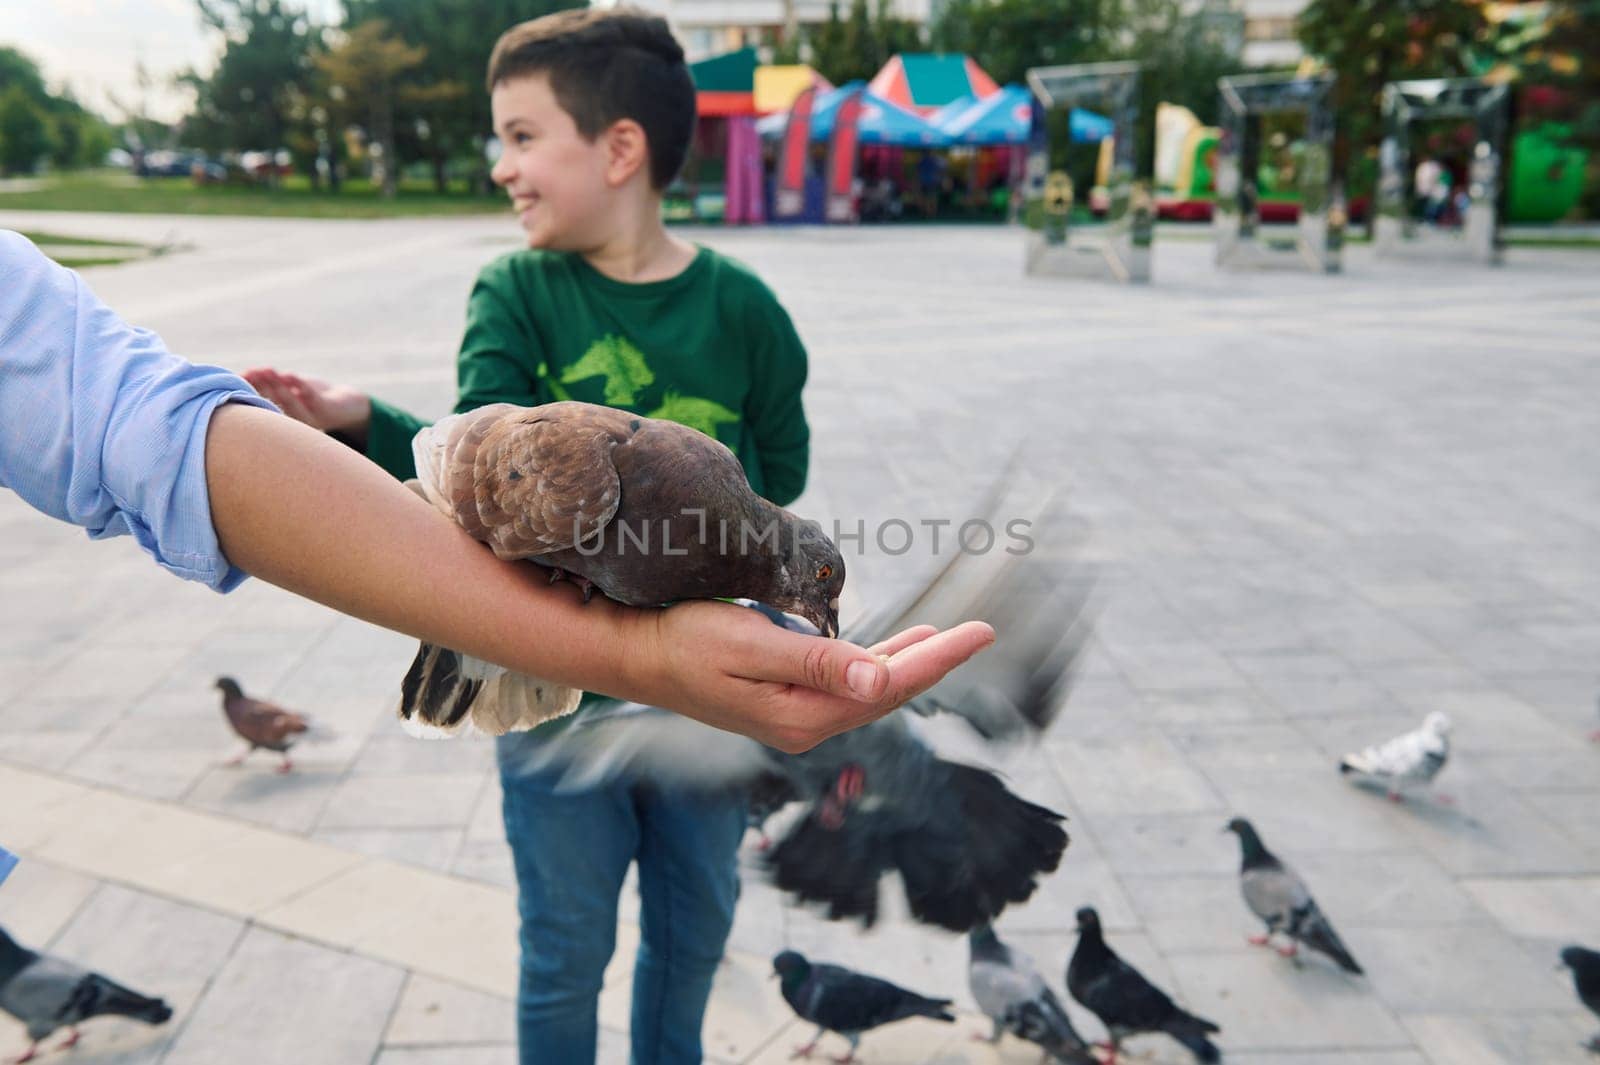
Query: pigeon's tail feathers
437, 693
516, 702
834, 865
920, 1006
981, 851
1319, 935
445, 693
1197, 1044
96, 996
1044, 1023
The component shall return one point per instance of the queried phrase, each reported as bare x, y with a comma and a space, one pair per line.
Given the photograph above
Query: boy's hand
320, 404
731, 668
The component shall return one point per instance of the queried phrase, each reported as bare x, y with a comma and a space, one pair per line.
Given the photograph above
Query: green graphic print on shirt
626, 370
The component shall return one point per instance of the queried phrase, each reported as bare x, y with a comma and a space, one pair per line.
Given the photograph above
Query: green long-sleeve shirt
711, 348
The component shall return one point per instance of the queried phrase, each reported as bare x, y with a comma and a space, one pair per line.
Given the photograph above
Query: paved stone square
1324, 506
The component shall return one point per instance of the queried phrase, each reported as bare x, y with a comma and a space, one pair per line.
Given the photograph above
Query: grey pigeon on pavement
1585, 966
1407, 762
1277, 895
1015, 997
47, 993
1126, 1003
263, 725
835, 999
648, 511
880, 798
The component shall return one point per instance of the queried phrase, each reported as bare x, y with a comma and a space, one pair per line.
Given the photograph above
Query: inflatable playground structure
933, 136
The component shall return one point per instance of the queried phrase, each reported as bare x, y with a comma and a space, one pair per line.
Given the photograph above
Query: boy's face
556, 178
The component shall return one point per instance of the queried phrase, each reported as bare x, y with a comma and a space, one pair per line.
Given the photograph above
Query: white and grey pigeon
880, 799
1012, 994
645, 510
47, 993
1406, 763
1276, 894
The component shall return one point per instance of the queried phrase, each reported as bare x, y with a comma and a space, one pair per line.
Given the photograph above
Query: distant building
1269, 39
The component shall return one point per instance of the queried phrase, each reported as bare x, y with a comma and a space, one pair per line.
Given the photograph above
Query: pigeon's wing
527, 481
1415, 756
1120, 996
1274, 893
629, 741
1032, 587
846, 1001
1043, 1020
1000, 989
1312, 927
40, 994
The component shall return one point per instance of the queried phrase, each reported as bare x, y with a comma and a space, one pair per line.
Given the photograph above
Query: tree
857, 47
258, 92
367, 65
1007, 37
1371, 44
24, 131
443, 113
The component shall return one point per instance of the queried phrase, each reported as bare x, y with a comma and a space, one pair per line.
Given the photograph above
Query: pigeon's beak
830, 627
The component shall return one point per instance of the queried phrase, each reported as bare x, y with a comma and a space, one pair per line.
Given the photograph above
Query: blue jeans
572, 851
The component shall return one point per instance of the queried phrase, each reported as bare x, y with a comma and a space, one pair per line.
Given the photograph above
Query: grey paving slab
403, 800
333, 1011
433, 1013
1310, 541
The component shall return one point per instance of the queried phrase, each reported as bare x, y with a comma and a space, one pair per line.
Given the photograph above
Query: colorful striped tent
925, 81
726, 84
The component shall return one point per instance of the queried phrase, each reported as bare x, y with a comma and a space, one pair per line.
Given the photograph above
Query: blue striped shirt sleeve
102, 426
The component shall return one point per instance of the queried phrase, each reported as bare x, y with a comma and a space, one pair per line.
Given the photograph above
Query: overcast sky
95, 45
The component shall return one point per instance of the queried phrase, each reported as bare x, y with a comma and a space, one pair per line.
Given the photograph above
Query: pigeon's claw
73, 1035
804, 1051
1258, 940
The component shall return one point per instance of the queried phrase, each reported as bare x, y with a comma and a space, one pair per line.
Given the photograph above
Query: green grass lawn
117, 192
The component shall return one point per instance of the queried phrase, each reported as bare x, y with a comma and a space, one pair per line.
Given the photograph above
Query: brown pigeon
260, 723
647, 511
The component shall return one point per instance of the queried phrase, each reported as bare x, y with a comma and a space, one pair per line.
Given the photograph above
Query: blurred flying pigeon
261, 724
1014, 996
1407, 762
880, 798
1585, 966
837, 1000
648, 511
47, 993
1281, 899
1126, 1003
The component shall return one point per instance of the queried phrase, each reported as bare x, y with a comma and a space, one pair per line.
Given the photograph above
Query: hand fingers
901, 640
924, 663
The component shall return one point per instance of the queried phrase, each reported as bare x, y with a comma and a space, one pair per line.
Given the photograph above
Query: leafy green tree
443, 114
368, 66
1007, 37
1367, 45
856, 47
24, 131
258, 92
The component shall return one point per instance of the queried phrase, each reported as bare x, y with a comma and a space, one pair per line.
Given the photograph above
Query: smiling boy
595, 109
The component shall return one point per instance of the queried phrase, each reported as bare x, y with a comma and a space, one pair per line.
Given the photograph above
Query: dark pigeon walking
1585, 966
1015, 997
835, 999
648, 511
880, 799
47, 994
1277, 895
1126, 1003
263, 725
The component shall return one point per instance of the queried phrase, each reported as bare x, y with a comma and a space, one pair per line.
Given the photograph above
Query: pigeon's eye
824, 571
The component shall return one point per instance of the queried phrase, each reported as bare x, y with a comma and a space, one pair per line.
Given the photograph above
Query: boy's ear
627, 151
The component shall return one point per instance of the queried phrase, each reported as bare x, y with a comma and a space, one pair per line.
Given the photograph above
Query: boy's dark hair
604, 65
